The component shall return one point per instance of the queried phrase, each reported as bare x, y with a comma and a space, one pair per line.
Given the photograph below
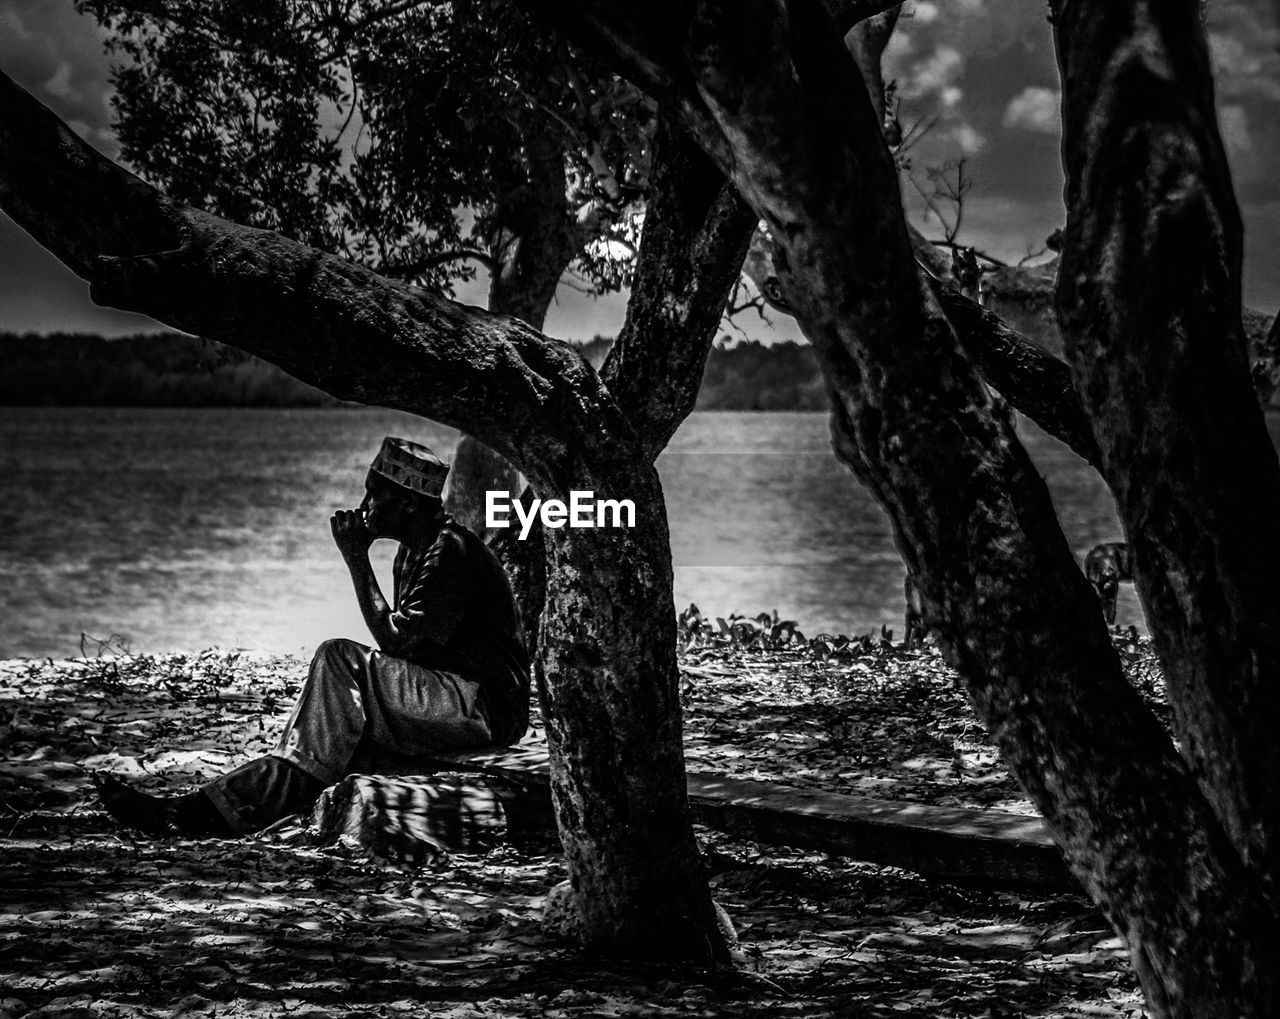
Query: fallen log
416, 819
484, 795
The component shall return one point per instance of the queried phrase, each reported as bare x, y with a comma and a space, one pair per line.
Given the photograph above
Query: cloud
967, 138
935, 74
978, 28
1233, 122
1249, 167
1262, 255
60, 84
1035, 109
1244, 41
57, 55
923, 13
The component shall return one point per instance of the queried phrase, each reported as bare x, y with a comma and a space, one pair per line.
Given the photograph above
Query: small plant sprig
767, 631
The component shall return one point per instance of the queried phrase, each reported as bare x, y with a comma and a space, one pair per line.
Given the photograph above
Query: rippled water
181, 529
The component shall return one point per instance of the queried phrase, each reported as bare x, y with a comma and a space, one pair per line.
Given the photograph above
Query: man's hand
350, 533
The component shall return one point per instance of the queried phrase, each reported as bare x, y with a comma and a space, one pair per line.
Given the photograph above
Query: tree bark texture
1149, 302
691, 252
1029, 377
866, 42
1035, 382
536, 236
770, 92
608, 638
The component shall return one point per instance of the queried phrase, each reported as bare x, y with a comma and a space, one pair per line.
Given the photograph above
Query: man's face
385, 508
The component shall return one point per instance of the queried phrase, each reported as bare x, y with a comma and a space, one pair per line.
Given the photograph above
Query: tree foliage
395, 133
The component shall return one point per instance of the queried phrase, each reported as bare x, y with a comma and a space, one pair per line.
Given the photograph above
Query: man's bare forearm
373, 606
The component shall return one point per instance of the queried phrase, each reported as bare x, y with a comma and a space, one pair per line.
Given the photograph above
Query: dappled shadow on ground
97, 921
94, 921
146, 923
874, 720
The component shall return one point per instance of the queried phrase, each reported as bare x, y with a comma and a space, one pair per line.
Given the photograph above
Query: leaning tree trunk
609, 647
1149, 297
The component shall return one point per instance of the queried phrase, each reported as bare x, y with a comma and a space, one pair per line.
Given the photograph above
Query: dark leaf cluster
393, 132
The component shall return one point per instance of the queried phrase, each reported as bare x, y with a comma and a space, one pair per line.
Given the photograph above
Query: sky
981, 71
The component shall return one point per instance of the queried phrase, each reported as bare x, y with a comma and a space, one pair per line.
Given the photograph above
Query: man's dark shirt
455, 612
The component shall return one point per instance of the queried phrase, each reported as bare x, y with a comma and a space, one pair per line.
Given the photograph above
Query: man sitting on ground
451, 670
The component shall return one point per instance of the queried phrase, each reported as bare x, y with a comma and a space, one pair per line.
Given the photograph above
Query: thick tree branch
534, 231
643, 42
866, 40
1035, 382
329, 322
696, 231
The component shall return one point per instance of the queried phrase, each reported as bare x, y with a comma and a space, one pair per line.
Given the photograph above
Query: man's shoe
132, 808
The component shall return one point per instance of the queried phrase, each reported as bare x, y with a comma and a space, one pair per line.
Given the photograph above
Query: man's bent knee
340, 652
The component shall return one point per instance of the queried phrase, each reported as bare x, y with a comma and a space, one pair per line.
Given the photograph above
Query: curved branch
327, 321
1034, 381
412, 270
696, 232
1038, 384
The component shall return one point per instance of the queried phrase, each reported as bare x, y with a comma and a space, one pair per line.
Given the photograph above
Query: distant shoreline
176, 370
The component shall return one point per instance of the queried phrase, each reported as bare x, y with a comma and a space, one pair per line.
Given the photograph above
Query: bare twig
412, 270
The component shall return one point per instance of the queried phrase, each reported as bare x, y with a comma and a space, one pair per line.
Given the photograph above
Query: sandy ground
96, 921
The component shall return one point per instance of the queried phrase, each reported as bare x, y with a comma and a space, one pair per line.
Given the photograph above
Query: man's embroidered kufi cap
410, 465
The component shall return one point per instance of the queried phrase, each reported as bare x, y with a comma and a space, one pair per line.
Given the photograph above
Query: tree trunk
607, 655
696, 232
1149, 302
691, 253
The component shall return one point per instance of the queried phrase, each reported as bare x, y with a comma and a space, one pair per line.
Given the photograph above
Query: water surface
180, 529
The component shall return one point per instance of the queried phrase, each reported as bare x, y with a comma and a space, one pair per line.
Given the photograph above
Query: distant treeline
748, 375
752, 376
174, 370
151, 370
